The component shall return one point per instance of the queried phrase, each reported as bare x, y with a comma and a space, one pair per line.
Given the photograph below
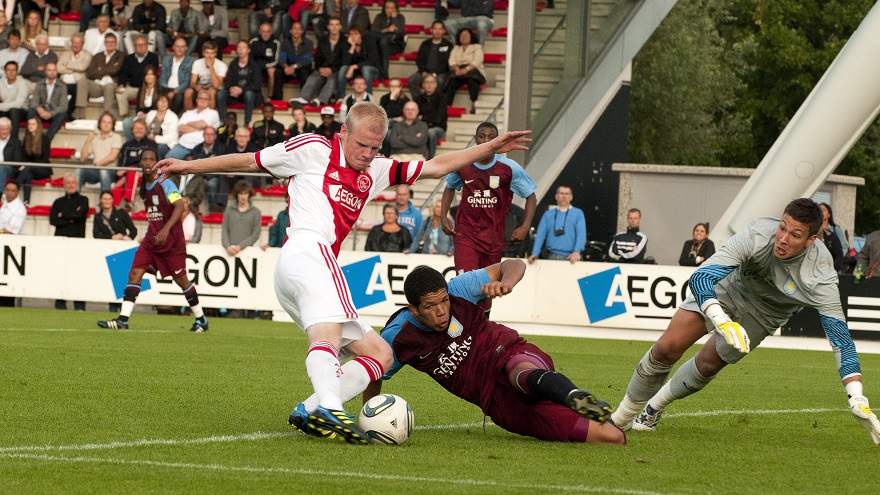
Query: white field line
335, 474
80, 330
266, 436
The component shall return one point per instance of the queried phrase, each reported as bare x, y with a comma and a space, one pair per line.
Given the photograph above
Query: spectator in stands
408, 215
111, 222
354, 16
102, 77
466, 67
130, 156
10, 150
187, 23
191, 125
4, 30
392, 102
389, 29
145, 100
300, 125
630, 245
829, 237
68, 215
191, 221
431, 236
409, 139
215, 26
266, 50
208, 73
14, 212
103, 147
95, 37
359, 93
320, 86
226, 132
296, 55
194, 186
45, 9
318, 15
14, 52
49, 101
217, 190
34, 67
176, 74
13, 95
133, 74
389, 236
267, 132
562, 231
162, 125
278, 228
361, 58
120, 17
240, 11
210, 146
475, 14
698, 249
271, 11
148, 19
72, 66
432, 111
36, 150
91, 9
329, 125
241, 220
242, 84
32, 28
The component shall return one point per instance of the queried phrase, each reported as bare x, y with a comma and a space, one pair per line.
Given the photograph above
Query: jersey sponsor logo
482, 199
364, 182
345, 197
494, 181
790, 287
154, 214
334, 175
611, 293
455, 328
449, 361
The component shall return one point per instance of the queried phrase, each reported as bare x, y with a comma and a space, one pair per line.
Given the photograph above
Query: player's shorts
519, 413
169, 263
468, 258
756, 331
312, 289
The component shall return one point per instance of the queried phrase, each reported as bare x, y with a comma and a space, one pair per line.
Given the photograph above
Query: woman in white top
162, 126
466, 67
103, 147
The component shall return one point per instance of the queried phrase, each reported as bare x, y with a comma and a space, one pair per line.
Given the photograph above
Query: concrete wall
675, 198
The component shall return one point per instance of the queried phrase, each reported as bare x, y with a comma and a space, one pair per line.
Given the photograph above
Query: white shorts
312, 288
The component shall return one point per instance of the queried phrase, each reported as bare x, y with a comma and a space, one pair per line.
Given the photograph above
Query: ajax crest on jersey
387, 419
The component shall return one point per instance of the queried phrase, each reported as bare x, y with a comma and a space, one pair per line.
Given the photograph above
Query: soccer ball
387, 419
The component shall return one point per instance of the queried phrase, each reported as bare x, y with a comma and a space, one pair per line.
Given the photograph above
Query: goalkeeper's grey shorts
756, 331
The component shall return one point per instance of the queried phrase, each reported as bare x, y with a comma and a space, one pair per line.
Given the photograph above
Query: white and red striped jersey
327, 196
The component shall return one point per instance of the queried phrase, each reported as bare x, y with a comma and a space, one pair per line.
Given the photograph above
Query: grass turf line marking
346, 474
266, 436
84, 330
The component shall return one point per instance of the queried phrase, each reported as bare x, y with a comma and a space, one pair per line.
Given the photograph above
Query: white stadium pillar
835, 114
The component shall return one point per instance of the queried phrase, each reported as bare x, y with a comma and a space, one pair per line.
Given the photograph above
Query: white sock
626, 411
324, 371
127, 308
197, 310
356, 375
687, 380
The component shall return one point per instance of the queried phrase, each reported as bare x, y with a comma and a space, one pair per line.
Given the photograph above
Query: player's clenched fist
496, 289
858, 405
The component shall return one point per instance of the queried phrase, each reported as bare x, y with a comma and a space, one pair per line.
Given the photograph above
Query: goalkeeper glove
733, 332
858, 405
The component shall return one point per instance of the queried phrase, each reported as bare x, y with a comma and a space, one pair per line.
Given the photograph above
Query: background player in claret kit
761, 277
163, 249
487, 186
330, 182
444, 334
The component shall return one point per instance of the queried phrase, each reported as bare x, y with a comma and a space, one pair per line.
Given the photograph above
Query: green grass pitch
157, 409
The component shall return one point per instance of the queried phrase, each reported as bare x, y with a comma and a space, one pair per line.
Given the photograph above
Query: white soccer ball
387, 419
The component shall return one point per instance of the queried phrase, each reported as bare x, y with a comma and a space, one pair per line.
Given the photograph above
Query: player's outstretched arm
858, 406
503, 277
451, 162
237, 162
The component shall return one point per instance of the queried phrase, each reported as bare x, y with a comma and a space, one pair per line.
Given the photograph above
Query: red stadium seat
272, 191
423, 3
396, 56
501, 5
59, 182
70, 16
213, 218
411, 57
500, 32
39, 210
494, 58
235, 106
279, 105
229, 49
414, 29
62, 153
233, 24
139, 215
265, 220
455, 111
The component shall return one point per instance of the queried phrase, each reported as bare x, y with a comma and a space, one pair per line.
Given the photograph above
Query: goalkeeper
763, 275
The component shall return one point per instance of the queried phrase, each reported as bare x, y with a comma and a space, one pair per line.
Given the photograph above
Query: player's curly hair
421, 281
807, 212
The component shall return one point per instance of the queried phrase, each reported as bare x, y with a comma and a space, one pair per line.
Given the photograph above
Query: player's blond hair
369, 115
